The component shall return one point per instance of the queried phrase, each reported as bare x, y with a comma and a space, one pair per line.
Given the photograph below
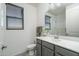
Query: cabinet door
47, 44
65, 52
38, 41
47, 52
38, 50
56, 54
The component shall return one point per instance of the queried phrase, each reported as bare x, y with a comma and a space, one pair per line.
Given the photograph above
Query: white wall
42, 9
72, 19
17, 40
61, 23
1, 27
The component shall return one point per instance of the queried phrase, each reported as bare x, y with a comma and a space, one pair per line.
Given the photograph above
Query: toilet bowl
31, 49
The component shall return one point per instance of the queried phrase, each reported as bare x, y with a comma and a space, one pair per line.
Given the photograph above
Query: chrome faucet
56, 37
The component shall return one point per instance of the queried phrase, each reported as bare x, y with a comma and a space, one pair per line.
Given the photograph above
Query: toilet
31, 49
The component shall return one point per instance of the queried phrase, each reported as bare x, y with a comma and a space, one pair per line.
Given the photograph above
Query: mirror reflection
62, 19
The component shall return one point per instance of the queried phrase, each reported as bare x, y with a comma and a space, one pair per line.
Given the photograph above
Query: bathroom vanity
48, 46
60, 21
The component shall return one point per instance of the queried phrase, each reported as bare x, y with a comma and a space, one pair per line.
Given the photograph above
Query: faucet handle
56, 37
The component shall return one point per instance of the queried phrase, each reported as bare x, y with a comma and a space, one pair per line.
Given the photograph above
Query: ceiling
58, 10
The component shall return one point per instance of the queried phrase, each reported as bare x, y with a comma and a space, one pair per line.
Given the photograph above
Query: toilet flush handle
3, 47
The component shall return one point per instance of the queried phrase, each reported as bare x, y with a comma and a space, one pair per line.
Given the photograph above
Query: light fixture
55, 5
52, 5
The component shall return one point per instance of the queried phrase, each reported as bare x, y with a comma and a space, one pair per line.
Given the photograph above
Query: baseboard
20, 53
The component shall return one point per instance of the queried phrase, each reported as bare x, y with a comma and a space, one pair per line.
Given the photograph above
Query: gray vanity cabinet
64, 52
46, 51
38, 50
48, 45
39, 41
44, 48
56, 54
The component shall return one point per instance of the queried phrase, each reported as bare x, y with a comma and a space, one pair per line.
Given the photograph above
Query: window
47, 22
14, 17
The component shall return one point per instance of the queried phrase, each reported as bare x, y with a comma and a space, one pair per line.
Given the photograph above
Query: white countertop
69, 44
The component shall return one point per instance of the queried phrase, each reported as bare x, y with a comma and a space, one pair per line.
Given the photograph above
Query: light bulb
52, 6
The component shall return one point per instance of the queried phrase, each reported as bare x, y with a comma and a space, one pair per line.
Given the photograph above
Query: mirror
63, 19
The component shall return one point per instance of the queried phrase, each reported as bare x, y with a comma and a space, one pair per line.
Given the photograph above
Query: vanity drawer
47, 51
56, 54
48, 45
65, 52
39, 41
